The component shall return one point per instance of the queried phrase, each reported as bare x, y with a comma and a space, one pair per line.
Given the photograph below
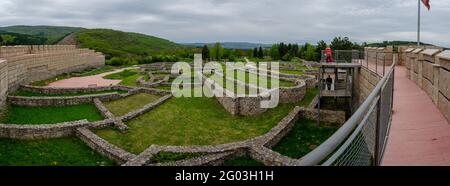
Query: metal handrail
331, 144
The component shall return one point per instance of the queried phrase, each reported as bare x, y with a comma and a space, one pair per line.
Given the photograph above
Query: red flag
426, 3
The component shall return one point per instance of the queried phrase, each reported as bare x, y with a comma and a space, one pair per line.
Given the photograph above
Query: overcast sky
265, 21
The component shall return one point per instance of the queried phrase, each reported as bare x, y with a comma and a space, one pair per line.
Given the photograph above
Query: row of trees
120, 61
281, 51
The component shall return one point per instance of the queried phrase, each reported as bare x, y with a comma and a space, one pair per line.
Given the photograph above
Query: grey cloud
241, 20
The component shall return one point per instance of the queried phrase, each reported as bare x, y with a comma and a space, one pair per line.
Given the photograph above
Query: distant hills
231, 45
122, 44
21, 39
112, 43
52, 33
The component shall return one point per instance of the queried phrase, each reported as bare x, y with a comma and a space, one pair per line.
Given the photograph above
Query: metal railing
362, 139
343, 56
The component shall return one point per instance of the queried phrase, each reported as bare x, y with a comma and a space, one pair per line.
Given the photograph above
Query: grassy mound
50, 115
122, 44
304, 137
54, 152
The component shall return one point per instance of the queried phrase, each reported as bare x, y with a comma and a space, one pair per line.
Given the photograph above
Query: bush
115, 62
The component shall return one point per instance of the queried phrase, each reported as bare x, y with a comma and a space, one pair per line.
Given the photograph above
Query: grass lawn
304, 137
254, 79
309, 96
245, 161
50, 115
96, 71
294, 72
128, 77
54, 152
123, 106
193, 121
33, 94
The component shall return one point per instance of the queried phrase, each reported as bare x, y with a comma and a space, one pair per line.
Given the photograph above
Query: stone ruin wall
429, 68
25, 64
366, 82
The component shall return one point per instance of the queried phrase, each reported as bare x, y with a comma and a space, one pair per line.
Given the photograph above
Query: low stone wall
250, 105
103, 110
103, 147
59, 101
293, 94
207, 160
145, 109
261, 142
53, 90
3, 82
47, 131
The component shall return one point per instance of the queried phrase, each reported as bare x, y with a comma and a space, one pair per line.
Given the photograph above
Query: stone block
444, 82
444, 106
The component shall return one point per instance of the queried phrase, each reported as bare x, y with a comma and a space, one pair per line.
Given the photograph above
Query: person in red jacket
328, 54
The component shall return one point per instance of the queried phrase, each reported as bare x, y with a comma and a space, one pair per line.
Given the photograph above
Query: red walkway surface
420, 135
88, 81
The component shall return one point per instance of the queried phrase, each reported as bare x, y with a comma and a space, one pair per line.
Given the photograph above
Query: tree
310, 53
205, 52
239, 53
339, 43
274, 52
216, 52
7, 39
321, 46
255, 52
260, 53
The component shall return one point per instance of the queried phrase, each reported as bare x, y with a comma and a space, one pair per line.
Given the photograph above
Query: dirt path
88, 81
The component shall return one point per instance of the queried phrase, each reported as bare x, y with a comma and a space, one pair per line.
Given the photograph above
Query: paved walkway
420, 135
88, 81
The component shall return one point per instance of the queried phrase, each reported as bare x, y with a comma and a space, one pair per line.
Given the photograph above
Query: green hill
7, 38
122, 44
52, 33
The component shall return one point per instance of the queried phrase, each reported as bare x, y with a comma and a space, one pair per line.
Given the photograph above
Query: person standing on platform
328, 54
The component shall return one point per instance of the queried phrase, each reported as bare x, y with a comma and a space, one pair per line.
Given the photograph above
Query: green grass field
304, 137
193, 121
246, 161
96, 71
33, 94
54, 152
50, 115
123, 106
128, 77
294, 72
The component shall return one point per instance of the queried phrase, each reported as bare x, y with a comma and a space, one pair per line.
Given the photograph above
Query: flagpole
418, 24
